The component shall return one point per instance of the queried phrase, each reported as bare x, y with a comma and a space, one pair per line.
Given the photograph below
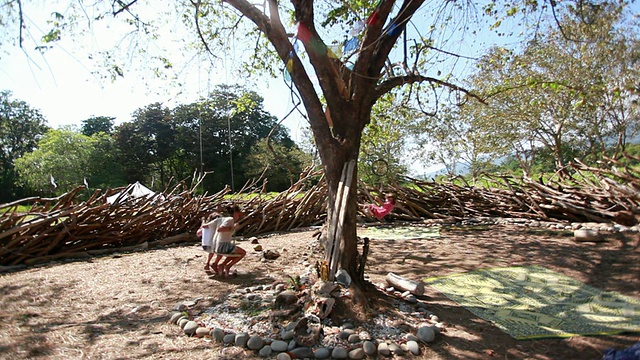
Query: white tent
134, 191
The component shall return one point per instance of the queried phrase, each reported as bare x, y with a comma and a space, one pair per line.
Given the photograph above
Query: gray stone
344, 334
283, 356
190, 327
343, 278
339, 353
217, 334
410, 337
347, 326
354, 338
292, 345
357, 354
229, 338
266, 351
413, 347
241, 339
175, 316
383, 349
287, 335
302, 352
182, 322
394, 348
426, 334
255, 342
279, 346
322, 353
286, 298
369, 348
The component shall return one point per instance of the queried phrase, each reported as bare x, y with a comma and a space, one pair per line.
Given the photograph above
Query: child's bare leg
207, 265
216, 267
232, 260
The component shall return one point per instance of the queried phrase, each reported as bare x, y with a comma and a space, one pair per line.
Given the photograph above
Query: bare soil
117, 306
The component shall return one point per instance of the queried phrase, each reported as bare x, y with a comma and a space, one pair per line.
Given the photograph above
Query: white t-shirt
224, 236
209, 232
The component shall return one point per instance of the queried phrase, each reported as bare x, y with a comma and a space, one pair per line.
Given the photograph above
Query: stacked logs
66, 227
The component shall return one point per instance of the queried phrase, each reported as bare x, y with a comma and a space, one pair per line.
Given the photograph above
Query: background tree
20, 129
58, 164
146, 146
384, 142
570, 98
97, 124
279, 164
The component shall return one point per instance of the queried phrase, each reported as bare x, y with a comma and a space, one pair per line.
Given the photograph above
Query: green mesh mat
534, 302
400, 232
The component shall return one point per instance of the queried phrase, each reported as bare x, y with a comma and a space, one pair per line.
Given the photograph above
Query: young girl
380, 211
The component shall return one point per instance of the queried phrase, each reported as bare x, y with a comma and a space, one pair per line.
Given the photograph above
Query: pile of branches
66, 227
582, 194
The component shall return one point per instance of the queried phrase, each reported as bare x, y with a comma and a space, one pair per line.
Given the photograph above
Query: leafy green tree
59, 163
20, 129
384, 142
98, 124
231, 122
279, 164
146, 145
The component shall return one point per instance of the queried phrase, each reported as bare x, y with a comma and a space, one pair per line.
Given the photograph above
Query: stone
283, 356
369, 348
344, 334
413, 347
255, 342
229, 338
217, 334
353, 338
426, 334
279, 345
257, 248
343, 278
266, 351
202, 331
383, 349
587, 235
339, 353
302, 352
182, 322
410, 337
190, 327
292, 345
270, 254
357, 354
396, 349
287, 335
241, 339
175, 316
286, 298
322, 353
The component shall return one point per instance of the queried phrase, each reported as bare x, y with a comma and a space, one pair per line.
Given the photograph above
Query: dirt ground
117, 306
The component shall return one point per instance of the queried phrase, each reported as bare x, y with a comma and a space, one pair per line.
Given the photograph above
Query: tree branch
196, 15
392, 83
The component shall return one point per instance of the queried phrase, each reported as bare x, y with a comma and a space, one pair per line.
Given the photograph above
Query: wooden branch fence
65, 227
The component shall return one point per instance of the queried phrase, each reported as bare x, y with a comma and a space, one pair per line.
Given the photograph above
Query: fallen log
404, 284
